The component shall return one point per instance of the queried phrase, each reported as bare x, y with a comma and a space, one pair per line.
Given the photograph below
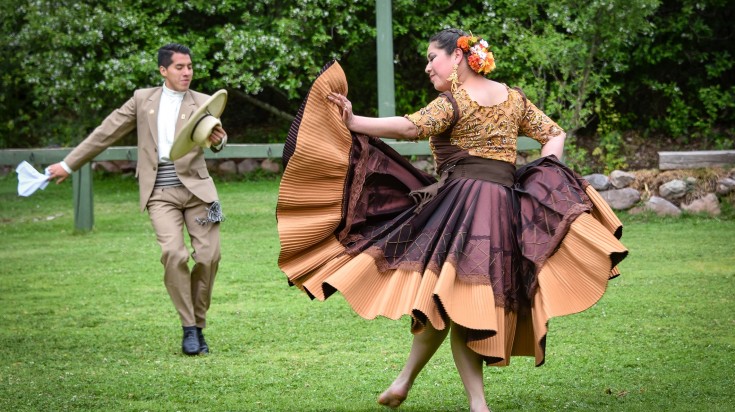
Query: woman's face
439, 67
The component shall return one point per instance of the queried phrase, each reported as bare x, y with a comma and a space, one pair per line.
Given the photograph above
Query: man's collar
172, 93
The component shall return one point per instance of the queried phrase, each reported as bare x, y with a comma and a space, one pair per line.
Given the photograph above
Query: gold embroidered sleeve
537, 125
432, 119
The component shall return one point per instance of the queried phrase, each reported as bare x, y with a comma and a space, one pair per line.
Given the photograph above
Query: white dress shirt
168, 112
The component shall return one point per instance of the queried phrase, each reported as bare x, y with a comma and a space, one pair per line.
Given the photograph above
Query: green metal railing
82, 178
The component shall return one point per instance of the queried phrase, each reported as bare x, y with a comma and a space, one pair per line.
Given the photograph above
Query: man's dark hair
166, 52
447, 39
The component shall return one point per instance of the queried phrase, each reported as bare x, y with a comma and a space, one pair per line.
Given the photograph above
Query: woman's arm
393, 127
554, 146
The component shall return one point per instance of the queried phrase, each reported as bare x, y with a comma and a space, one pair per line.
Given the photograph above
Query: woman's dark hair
166, 52
447, 39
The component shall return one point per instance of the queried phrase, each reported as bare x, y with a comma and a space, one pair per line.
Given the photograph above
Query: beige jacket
141, 113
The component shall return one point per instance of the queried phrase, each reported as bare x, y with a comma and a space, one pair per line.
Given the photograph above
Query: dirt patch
641, 151
704, 181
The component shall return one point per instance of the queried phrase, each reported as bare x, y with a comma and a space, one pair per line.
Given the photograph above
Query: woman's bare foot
480, 408
394, 396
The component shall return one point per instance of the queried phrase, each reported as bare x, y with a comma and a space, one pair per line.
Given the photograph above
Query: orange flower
474, 62
479, 57
490, 62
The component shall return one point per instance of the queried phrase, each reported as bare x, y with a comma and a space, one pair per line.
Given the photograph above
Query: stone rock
598, 181
621, 179
621, 199
270, 166
520, 160
126, 166
247, 166
228, 167
107, 166
691, 182
725, 186
211, 163
707, 204
673, 189
424, 165
659, 206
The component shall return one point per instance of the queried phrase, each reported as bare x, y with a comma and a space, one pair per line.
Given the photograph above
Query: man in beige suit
178, 194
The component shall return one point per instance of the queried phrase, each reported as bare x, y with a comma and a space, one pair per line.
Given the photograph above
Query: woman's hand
345, 107
393, 127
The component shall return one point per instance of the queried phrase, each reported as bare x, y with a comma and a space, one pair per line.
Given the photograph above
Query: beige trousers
171, 210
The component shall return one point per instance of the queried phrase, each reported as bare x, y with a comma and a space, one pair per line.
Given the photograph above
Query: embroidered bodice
485, 131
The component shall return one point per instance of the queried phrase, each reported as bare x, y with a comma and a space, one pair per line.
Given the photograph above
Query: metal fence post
386, 82
83, 199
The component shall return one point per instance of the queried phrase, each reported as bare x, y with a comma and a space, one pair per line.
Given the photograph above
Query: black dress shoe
203, 348
190, 343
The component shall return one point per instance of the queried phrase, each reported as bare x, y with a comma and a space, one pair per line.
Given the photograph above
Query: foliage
77, 57
682, 75
564, 52
609, 151
598, 67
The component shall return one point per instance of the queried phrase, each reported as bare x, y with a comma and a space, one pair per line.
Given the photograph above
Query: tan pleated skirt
477, 255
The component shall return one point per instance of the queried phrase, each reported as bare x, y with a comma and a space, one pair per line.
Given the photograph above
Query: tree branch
265, 106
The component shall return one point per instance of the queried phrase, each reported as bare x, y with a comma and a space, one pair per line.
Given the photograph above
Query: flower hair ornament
479, 57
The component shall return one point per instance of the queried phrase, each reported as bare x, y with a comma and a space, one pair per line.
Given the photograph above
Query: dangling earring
454, 79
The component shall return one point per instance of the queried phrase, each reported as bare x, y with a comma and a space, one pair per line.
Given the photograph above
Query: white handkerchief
29, 179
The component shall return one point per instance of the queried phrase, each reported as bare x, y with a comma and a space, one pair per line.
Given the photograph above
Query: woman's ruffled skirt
497, 260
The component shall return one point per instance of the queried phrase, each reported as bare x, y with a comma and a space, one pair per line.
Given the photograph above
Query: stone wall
667, 192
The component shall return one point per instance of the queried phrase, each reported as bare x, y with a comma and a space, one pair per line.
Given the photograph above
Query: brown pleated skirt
497, 259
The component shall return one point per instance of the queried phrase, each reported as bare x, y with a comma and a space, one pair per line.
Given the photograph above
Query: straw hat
197, 129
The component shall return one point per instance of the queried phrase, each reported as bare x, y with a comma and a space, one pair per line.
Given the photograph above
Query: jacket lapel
188, 106
151, 109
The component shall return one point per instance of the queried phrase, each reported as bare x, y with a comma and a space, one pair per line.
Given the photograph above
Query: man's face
179, 73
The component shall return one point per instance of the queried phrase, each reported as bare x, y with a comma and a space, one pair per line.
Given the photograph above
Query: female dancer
487, 252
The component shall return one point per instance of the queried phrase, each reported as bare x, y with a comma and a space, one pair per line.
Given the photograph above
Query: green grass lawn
87, 323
